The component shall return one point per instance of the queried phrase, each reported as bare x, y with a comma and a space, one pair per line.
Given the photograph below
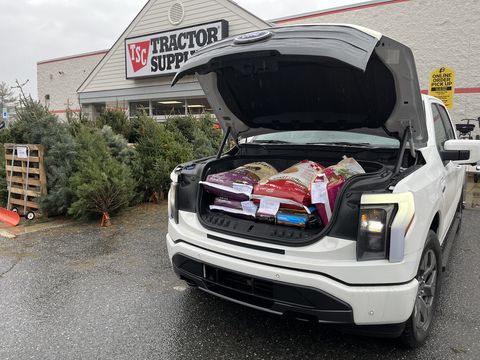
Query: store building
135, 74
58, 80
441, 33
137, 71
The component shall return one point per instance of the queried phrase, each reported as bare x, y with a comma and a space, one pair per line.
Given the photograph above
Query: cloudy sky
33, 30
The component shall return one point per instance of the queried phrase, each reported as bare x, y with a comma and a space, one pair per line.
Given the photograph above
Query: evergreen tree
35, 125
101, 183
159, 151
202, 144
199, 132
7, 96
206, 123
5, 137
117, 119
127, 155
118, 146
186, 125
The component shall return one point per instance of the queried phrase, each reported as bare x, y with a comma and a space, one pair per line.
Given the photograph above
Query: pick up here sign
163, 53
442, 85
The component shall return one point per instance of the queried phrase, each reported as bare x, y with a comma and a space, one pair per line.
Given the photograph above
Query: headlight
172, 202
373, 240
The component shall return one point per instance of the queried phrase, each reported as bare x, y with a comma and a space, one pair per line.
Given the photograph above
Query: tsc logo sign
164, 52
139, 54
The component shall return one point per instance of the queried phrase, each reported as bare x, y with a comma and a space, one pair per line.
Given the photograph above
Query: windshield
327, 137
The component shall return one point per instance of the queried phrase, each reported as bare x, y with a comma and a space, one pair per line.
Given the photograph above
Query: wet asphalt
84, 292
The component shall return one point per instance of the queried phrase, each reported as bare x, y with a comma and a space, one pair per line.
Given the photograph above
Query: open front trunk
327, 77
279, 157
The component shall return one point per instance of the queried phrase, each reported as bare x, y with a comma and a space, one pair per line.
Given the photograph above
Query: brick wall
439, 32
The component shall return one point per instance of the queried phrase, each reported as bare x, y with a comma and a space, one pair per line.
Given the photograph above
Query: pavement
85, 292
31, 226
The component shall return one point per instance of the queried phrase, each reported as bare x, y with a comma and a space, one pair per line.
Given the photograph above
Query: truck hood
311, 77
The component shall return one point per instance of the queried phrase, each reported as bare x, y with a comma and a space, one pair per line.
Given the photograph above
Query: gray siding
110, 73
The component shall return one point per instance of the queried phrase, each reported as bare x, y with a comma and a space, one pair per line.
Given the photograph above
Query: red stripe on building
78, 110
331, 12
63, 111
472, 90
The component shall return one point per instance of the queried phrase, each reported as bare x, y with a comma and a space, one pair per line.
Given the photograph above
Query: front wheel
429, 273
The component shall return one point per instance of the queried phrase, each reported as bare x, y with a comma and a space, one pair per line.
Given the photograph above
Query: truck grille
277, 297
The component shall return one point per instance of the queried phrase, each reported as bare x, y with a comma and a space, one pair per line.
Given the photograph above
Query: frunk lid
311, 77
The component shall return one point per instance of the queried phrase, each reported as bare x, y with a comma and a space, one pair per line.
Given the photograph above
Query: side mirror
463, 146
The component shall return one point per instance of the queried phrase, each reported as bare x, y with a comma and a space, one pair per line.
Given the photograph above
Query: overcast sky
33, 30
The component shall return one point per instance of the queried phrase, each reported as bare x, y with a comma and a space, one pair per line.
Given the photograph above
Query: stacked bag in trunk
233, 188
302, 196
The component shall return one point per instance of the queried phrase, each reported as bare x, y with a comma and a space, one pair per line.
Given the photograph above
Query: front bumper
271, 296
316, 295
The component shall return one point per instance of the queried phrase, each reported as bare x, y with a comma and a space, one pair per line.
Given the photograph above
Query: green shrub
101, 183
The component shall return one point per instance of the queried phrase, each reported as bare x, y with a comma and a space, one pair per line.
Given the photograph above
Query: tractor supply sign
442, 85
163, 53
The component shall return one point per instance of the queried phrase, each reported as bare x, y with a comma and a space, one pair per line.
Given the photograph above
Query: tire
475, 178
30, 215
14, 209
429, 276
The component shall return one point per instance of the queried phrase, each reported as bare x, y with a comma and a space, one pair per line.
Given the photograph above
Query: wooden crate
19, 185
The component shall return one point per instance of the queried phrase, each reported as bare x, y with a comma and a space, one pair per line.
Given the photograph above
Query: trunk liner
251, 229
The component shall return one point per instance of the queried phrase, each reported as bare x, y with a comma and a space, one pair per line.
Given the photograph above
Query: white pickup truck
320, 92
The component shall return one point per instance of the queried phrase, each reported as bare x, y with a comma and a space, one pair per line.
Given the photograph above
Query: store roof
75, 56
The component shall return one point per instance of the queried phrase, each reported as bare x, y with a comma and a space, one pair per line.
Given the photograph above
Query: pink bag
325, 189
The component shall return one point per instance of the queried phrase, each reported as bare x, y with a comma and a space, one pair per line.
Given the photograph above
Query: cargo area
254, 228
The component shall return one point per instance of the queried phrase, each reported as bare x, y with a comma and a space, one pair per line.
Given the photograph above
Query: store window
162, 109
168, 107
139, 107
99, 108
198, 106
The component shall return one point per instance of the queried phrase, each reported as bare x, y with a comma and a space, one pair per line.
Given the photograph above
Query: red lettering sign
139, 54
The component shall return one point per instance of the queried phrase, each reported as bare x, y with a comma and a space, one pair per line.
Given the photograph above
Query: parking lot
85, 292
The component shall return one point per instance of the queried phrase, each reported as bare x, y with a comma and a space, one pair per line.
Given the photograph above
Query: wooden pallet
33, 186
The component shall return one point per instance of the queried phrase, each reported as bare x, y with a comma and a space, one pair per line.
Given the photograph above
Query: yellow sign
442, 85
